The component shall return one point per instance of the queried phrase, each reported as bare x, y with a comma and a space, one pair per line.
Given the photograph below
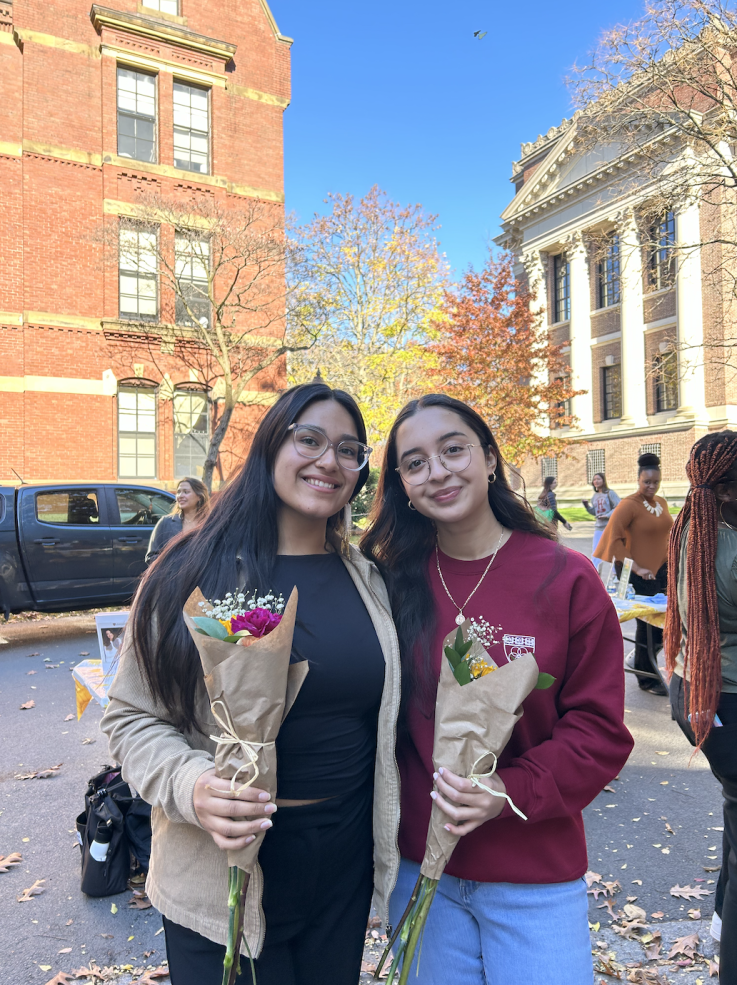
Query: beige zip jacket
188, 878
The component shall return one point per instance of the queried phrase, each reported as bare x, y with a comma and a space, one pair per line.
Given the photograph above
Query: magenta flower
258, 622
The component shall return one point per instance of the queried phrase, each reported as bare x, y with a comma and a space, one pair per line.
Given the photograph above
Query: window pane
136, 433
141, 507
75, 506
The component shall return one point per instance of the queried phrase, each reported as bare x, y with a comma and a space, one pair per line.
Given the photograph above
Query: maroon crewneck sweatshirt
571, 740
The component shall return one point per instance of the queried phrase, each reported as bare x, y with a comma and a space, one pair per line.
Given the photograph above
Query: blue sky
399, 93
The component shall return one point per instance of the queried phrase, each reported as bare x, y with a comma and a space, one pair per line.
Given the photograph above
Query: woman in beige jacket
280, 522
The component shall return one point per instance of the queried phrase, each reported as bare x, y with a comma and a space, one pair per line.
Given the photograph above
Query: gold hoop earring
492, 478
411, 505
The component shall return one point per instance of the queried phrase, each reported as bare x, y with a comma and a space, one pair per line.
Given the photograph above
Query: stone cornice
150, 27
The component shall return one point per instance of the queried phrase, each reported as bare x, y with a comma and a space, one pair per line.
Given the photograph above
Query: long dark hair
547, 488
400, 541
234, 547
713, 461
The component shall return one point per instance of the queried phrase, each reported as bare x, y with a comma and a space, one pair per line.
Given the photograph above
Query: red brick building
98, 103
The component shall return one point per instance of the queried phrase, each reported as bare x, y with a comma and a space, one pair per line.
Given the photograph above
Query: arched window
191, 429
137, 429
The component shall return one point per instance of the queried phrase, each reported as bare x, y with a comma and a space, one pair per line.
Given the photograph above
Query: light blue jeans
500, 933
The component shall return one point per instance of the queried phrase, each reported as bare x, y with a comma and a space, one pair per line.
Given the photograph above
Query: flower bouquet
250, 695
478, 704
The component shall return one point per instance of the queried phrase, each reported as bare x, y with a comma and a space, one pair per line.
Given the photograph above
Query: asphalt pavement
658, 826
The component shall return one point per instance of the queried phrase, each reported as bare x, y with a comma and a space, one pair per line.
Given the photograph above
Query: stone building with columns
632, 298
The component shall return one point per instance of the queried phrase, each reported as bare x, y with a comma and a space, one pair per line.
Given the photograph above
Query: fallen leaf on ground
27, 705
62, 978
149, 977
658, 752
695, 914
40, 774
685, 945
159, 931
92, 972
8, 861
610, 789
51, 666
139, 900
669, 828
84, 653
688, 892
633, 912
35, 890
606, 965
69, 923
591, 877
711, 868
69, 718
113, 908
88, 742
375, 922
30, 673
637, 882
33, 654
658, 915
109, 936
713, 968
65, 950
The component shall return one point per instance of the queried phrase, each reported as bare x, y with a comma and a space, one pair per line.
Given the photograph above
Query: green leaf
462, 673
465, 648
452, 656
544, 681
211, 627
459, 640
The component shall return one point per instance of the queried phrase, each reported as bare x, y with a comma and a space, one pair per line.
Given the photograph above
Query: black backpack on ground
121, 819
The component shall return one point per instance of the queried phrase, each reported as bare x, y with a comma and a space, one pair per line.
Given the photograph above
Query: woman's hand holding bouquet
232, 818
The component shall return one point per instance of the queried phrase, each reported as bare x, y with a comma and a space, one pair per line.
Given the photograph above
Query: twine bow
230, 737
476, 779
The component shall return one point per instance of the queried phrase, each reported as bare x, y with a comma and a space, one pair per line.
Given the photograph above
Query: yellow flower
226, 623
479, 667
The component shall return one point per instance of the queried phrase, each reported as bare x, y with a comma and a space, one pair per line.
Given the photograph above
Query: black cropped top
327, 743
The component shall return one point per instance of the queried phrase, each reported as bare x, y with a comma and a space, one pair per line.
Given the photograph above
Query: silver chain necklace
460, 618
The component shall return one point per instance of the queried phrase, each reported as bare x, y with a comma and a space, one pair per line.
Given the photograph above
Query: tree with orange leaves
493, 354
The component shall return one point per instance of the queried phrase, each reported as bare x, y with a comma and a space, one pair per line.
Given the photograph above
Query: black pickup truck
74, 545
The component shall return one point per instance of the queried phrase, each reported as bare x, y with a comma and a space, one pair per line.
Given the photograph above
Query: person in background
701, 646
639, 528
190, 509
601, 506
546, 501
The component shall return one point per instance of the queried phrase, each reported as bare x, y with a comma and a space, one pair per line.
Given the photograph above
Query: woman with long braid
701, 642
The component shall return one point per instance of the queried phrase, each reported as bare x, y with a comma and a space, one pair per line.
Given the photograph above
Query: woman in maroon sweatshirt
453, 539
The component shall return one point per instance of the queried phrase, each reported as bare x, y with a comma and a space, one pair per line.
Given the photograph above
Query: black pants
720, 749
317, 862
642, 660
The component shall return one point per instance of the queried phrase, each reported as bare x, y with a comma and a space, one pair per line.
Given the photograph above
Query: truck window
71, 506
142, 507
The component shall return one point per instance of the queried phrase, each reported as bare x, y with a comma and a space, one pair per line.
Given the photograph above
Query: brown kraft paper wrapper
258, 686
471, 722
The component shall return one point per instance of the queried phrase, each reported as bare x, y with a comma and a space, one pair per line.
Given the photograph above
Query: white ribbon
230, 737
476, 779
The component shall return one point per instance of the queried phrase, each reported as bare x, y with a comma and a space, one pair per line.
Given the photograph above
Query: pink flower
258, 622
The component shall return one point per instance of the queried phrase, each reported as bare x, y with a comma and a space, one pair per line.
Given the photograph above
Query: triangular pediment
565, 166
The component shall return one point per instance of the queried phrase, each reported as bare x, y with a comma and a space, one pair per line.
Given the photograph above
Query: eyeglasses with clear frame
454, 458
312, 442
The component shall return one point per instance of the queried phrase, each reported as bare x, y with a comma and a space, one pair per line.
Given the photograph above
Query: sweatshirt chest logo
518, 646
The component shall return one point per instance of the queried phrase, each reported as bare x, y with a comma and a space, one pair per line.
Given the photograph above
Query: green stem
418, 926
233, 899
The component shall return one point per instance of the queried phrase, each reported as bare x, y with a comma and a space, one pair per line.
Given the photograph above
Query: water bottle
101, 845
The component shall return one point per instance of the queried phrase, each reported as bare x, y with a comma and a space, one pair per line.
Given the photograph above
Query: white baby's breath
237, 603
481, 631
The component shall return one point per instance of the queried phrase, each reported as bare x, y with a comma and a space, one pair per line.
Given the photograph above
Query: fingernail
435, 776
263, 796
250, 838
440, 771
434, 795
269, 809
265, 825
447, 827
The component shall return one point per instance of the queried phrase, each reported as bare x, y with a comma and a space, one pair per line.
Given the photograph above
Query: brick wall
59, 172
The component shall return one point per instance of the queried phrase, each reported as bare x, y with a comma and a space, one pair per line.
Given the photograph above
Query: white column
535, 264
634, 394
580, 334
689, 312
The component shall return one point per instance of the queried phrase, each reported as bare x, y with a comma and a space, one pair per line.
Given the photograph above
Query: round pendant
460, 619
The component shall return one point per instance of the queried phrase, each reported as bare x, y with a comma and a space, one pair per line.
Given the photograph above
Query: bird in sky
480, 34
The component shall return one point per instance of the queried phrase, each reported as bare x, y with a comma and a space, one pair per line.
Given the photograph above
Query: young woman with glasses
455, 542
280, 522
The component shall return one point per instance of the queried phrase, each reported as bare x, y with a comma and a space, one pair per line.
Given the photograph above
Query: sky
400, 94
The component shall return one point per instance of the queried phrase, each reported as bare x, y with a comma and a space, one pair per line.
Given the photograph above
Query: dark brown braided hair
713, 461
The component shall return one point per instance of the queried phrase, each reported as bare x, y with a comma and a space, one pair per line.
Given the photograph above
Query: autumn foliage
493, 355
